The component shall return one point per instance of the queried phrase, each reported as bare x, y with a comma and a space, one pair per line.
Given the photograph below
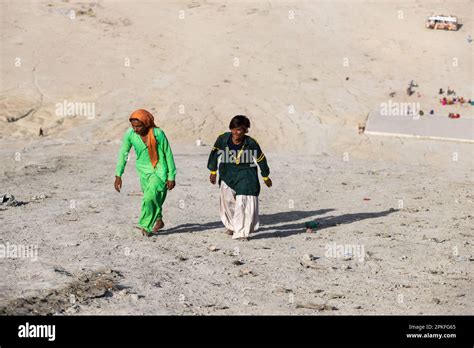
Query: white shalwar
238, 213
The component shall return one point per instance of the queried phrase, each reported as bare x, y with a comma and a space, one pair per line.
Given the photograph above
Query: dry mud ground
413, 221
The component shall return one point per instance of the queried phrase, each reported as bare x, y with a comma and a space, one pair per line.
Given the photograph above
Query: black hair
239, 121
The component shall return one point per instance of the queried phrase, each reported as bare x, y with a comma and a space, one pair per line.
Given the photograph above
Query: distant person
441, 91
155, 167
238, 177
432, 112
41, 132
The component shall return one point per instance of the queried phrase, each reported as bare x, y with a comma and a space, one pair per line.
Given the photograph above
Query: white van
442, 22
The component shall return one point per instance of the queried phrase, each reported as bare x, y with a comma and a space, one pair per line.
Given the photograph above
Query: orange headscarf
149, 122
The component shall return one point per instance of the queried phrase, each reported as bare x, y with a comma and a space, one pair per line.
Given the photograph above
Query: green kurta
152, 180
239, 171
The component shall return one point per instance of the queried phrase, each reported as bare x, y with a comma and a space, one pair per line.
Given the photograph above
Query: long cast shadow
292, 215
265, 219
325, 222
191, 227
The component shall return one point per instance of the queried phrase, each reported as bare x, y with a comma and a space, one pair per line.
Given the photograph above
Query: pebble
246, 271
283, 290
308, 261
212, 248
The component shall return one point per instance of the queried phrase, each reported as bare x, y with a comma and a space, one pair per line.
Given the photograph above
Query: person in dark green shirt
239, 155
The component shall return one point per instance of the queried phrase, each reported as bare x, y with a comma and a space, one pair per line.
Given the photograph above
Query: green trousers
154, 195
152, 180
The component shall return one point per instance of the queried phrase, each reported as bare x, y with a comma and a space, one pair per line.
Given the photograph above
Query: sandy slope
418, 258
190, 62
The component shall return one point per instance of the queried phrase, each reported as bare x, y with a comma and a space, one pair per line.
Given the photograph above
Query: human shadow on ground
324, 222
265, 219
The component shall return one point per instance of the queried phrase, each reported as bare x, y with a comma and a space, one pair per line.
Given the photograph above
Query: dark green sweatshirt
239, 169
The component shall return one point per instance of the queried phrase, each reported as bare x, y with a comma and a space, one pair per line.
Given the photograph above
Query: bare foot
158, 226
143, 231
229, 232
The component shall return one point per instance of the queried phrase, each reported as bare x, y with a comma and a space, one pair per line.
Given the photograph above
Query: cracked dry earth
413, 221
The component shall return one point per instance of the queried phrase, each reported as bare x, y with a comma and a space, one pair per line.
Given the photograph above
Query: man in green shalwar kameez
154, 164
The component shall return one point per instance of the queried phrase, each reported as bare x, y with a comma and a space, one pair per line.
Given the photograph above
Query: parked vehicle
442, 22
